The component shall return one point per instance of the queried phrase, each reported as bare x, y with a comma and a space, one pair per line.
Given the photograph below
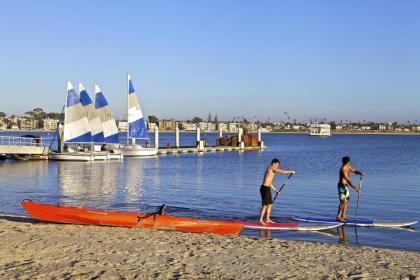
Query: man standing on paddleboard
267, 186
343, 191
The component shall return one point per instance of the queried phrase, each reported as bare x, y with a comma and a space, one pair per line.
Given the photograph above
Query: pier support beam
60, 140
198, 135
241, 143
200, 143
156, 137
220, 132
176, 135
260, 142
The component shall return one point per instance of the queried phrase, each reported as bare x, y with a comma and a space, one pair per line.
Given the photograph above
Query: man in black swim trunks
266, 188
343, 191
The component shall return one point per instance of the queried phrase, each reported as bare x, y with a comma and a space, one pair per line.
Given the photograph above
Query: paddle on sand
284, 184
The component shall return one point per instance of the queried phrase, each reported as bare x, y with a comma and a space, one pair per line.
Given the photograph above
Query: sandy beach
32, 250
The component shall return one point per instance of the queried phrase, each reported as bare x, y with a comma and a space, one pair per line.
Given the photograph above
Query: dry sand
52, 251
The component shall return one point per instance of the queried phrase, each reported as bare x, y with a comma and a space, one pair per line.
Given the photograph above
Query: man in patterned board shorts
343, 191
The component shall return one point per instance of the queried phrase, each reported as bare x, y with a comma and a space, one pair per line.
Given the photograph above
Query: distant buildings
28, 124
223, 126
188, 126
50, 124
122, 125
166, 125
206, 126
151, 126
3, 124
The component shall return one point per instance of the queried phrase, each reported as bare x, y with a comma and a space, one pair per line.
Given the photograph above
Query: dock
25, 148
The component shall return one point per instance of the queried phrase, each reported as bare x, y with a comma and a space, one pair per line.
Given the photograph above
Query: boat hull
73, 215
77, 156
138, 151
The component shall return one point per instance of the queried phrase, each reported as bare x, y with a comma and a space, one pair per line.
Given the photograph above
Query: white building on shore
317, 129
50, 124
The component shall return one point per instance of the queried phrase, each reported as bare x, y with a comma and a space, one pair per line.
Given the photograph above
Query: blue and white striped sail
136, 125
109, 126
92, 115
76, 124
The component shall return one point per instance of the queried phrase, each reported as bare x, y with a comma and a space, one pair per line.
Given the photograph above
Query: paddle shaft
358, 196
284, 184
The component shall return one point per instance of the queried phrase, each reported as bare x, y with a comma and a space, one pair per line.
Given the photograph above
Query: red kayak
73, 215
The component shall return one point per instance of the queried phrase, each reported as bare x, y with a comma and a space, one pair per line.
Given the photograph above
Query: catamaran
136, 127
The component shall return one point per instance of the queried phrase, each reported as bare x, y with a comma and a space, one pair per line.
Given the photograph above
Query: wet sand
51, 251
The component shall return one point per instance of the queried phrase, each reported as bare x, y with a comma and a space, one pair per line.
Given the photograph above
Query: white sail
92, 115
109, 126
76, 124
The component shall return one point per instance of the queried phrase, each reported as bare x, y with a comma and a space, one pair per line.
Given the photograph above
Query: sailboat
110, 129
92, 115
136, 126
76, 130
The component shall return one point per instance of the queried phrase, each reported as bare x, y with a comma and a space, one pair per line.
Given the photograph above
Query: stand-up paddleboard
292, 226
359, 222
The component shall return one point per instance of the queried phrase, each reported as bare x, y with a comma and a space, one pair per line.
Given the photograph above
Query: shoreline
271, 132
43, 250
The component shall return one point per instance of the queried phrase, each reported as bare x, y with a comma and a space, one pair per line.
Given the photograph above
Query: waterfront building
223, 126
122, 125
151, 126
381, 127
50, 124
296, 127
233, 127
318, 129
166, 124
28, 124
188, 126
3, 125
205, 126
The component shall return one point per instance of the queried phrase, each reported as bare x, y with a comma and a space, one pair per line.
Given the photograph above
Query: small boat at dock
136, 127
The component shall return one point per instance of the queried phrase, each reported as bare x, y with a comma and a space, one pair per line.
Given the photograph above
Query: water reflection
87, 184
265, 234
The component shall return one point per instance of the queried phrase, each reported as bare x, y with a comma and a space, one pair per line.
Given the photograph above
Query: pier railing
21, 141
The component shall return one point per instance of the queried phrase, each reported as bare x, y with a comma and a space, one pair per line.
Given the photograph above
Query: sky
338, 60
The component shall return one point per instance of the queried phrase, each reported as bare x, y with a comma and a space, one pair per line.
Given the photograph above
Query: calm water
225, 185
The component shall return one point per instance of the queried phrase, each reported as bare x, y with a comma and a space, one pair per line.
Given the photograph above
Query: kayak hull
82, 216
359, 222
292, 226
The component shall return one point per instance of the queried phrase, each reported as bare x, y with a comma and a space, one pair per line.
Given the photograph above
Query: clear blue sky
338, 60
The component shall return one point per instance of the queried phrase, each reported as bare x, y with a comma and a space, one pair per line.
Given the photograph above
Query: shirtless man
343, 191
266, 188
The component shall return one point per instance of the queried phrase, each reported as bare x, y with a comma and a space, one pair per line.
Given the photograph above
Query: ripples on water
225, 185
